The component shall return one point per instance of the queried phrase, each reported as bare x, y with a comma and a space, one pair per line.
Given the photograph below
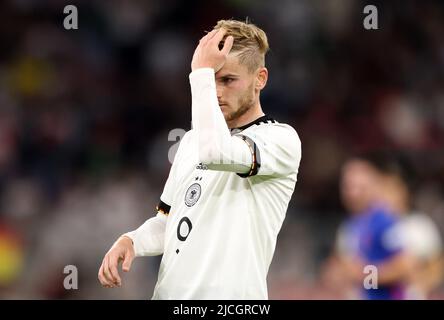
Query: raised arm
216, 147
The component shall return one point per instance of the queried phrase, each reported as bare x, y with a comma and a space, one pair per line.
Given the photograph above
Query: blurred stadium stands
85, 116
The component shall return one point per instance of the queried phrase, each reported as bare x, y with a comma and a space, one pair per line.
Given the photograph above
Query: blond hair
250, 42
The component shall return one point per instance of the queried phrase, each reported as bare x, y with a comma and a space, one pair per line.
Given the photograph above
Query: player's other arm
147, 240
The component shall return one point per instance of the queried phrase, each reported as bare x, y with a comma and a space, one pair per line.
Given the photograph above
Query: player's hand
122, 250
207, 53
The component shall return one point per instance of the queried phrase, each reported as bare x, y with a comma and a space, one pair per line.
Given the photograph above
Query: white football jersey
221, 228
223, 203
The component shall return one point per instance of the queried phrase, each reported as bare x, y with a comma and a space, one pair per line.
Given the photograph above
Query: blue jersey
370, 235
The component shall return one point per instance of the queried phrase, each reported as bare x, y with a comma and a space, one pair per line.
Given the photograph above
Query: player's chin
226, 112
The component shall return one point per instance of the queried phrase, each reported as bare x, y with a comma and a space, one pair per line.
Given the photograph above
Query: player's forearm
148, 239
217, 148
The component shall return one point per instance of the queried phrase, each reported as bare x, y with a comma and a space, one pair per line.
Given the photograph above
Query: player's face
237, 88
358, 183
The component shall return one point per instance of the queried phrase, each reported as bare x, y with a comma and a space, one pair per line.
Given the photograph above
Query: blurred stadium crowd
85, 116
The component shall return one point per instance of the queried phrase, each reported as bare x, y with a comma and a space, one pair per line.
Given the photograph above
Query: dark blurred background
85, 116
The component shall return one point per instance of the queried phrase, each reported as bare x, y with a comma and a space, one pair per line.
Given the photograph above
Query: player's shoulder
276, 138
271, 127
421, 222
188, 136
186, 141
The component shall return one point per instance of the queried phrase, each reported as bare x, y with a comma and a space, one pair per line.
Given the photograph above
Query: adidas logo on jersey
201, 166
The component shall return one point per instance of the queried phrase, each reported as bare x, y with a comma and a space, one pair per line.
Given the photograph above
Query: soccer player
371, 235
229, 186
420, 236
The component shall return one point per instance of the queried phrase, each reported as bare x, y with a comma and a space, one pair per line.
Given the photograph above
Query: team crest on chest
193, 194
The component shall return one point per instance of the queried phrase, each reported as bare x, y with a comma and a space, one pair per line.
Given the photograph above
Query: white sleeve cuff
136, 244
148, 239
207, 72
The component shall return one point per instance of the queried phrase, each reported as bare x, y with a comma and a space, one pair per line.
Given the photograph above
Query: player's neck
249, 116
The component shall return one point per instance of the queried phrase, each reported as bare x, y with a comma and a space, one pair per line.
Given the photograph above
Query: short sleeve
421, 235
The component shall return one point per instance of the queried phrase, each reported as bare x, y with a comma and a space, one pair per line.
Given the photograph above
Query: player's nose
219, 92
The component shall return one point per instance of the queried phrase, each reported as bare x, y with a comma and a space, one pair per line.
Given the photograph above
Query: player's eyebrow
228, 75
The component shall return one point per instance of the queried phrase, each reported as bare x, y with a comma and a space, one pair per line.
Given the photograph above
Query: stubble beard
246, 102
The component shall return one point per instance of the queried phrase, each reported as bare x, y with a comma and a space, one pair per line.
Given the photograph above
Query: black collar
263, 119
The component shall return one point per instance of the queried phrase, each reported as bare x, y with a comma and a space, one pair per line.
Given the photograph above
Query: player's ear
261, 78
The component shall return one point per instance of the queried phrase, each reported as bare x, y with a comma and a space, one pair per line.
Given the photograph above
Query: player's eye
227, 80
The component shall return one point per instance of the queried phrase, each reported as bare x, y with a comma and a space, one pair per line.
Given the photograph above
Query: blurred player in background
368, 237
405, 248
230, 183
420, 236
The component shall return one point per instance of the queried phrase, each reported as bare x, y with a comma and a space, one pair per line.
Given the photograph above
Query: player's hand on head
208, 54
121, 251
